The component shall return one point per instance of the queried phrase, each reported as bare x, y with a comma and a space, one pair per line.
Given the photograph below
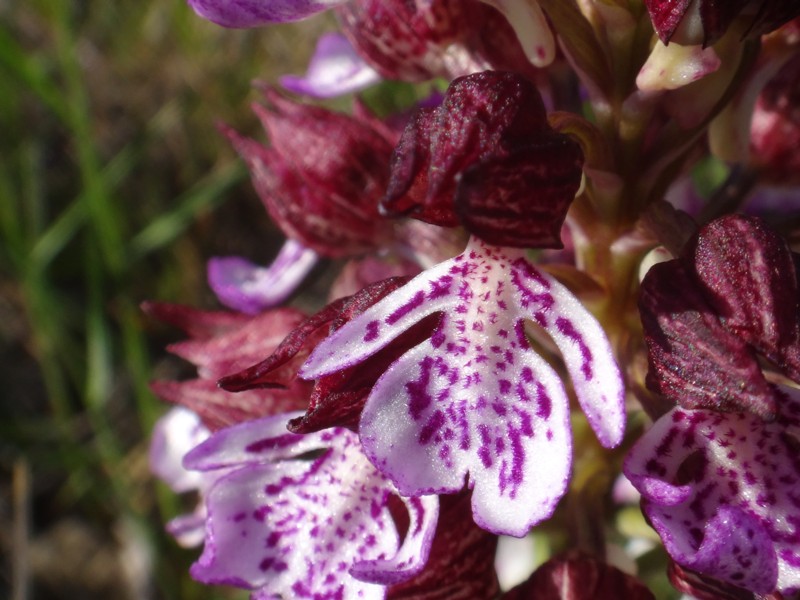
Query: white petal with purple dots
723, 492
475, 403
304, 516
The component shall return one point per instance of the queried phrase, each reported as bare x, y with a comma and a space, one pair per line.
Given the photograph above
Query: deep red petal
748, 276
461, 562
522, 200
579, 577
694, 360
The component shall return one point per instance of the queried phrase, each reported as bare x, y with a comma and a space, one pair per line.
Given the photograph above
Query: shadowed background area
115, 187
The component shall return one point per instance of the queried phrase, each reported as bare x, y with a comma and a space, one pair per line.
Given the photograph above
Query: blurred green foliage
112, 182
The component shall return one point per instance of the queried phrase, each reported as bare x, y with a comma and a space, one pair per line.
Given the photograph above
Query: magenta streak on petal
414, 303
335, 69
585, 350
566, 327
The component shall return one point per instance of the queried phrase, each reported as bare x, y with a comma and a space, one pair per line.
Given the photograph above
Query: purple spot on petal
566, 327
415, 302
372, 331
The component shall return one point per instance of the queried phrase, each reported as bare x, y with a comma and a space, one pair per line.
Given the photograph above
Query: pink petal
334, 70
248, 288
234, 350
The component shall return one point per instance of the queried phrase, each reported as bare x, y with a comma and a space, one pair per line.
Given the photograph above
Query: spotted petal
291, 526
723, 490
475, 399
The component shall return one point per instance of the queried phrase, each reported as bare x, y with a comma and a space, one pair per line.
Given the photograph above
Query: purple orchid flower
335, 69
719, 474
286, 524
475, 399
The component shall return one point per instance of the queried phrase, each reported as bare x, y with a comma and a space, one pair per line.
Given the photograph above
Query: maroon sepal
235, 349
220, 343
461, 562
775, 126
196, 323
480, 159
716, 17
693, 360
731, 296
218, 408
321, 178
403, 40
748, 276
666, 16
279, 369
336, 399
576, 576
702, 587
494, 196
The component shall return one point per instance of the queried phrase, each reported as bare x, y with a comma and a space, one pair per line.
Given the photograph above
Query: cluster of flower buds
544, 286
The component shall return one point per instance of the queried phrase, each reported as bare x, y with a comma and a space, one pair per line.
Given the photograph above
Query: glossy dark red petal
579, 577
748, 276
666, 16
522, 200
694, 360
